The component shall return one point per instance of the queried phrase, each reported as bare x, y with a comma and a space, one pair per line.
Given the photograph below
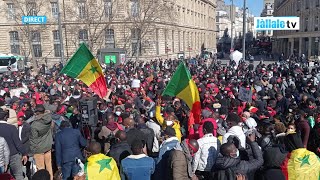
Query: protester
4, 155
233, 121
121, 149
41, 175
273, 100
17, 152
138, 165
205, 157
230, 163
181, 160
300, 163
100, 166
68, 150
169, 119
41, 139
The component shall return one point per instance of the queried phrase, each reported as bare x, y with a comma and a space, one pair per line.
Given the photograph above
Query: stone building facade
304, 41
145, 29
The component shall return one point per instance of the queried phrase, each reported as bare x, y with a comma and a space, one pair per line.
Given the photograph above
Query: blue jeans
16, 166
69, 170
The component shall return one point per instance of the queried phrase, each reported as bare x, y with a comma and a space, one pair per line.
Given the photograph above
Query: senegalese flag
100, 166
182, 86
301, 164
85, 67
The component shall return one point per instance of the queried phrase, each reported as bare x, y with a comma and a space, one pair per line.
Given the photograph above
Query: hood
236, 130
121, 145
44, 118
55, 117
226, 162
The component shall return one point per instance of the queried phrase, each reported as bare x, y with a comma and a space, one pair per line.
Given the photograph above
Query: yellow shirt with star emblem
301, 164
101, 167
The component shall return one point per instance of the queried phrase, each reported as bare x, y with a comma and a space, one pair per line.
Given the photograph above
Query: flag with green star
100, 166
85, 67
301, 164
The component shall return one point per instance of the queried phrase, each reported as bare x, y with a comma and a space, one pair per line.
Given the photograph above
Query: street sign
34, 19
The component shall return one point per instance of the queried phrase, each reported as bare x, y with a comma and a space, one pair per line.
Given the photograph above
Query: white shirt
235, 131
155, 127
206, 156
251, 123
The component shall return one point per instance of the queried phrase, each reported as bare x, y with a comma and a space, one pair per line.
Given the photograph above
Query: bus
10, 62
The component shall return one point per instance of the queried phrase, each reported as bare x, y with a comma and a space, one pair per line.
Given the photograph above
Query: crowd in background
141, 135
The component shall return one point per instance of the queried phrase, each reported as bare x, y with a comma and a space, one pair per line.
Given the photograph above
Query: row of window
36, 41
32, 9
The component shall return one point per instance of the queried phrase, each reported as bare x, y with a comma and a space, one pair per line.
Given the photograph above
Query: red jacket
215, 126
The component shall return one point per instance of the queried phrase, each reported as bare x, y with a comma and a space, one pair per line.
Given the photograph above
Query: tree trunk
33, 60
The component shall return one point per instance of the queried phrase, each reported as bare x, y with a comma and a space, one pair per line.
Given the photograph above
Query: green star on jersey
304, 160
104, 163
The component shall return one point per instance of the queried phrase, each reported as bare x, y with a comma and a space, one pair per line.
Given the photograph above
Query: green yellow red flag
301, 164
100, 166
182, 86
85, 67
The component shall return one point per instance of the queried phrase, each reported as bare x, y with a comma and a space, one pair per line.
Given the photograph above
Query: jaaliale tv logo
277, 23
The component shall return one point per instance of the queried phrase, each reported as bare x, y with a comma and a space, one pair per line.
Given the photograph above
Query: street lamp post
244, 31
231, 17
60, 34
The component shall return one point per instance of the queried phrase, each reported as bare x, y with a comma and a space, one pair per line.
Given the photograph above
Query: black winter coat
241, 166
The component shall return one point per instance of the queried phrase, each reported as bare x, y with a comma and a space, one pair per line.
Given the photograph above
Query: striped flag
100, 166
182, 86
85, 67
301, 164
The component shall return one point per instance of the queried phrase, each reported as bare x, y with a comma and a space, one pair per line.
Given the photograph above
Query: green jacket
41, 139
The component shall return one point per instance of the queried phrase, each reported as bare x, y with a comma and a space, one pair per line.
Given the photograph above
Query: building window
56, 36
157, 41
83, 35
306, 24
32, 9
36, 43
56, 45
307, 4
108, 8
11, 11
82, 9
136, 41
54, 9
179, 42
183, 40
14, 42
57, 50
316, 24
173, 41
134, 8
110, 43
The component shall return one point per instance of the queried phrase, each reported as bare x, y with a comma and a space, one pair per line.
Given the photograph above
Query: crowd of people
272, 134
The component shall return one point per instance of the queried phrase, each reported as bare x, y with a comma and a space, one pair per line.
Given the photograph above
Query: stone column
300, 46
309, 47
292, 46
